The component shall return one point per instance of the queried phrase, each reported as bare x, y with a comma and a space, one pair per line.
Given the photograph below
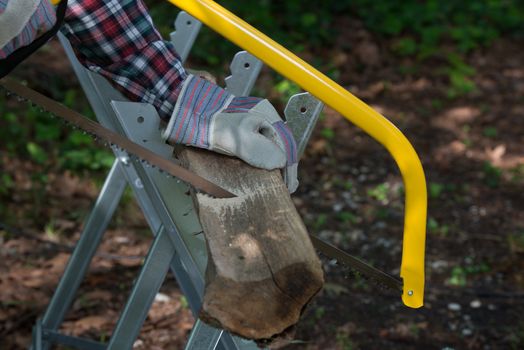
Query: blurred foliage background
417, 34
440, 33
435, 56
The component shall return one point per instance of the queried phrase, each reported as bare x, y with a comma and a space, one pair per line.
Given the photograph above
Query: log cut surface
262, 268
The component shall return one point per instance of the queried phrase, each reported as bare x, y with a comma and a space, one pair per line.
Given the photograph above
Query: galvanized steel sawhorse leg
170, 217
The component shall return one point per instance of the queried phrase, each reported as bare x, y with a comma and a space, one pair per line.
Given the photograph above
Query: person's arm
118, 40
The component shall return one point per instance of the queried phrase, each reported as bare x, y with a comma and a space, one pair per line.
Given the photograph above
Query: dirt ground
350, 194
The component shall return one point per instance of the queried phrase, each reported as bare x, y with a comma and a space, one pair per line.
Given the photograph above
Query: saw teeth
73, 125
348, 272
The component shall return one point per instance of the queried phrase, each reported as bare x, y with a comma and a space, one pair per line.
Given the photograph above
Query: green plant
344, 341
6, 183
287, 88
37, 153
516, 337
406, 46
434, 227
347, 217
103, 337
516, 242
44, 145
517, 173
380, 192
435, 189
427, 24
327, 133
30, 133
348, 185
459, 74
490, 131
458, 277
408, 69
437, 104
320, 221
295, 24
50, 230
459, 274
183, 302
414, 329
320, 311
460, 84
492, 175
382, 213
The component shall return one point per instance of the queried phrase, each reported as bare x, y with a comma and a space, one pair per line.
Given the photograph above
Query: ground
471, 147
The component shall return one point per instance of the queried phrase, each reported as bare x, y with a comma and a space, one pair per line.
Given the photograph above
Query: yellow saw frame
353, 109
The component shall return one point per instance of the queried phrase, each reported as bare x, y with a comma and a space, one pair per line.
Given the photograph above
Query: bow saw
292, 67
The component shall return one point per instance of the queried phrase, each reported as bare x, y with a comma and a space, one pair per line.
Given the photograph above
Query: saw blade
114, 139
346, 259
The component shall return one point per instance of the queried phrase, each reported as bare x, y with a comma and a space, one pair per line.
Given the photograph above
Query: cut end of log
261, 309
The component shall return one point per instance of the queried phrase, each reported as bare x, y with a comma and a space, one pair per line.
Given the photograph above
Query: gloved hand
21, 22
207, 116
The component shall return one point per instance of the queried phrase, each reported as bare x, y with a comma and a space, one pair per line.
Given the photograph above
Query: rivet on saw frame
410, 293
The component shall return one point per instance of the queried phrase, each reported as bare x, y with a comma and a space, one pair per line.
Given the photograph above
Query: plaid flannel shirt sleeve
117, 39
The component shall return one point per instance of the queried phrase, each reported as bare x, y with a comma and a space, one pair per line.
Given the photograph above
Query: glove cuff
242, 104
21, 20
288, 141
198, 102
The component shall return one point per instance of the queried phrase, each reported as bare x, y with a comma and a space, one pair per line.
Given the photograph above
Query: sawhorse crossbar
167, 208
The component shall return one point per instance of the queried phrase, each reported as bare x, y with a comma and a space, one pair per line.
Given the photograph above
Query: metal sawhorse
164, 201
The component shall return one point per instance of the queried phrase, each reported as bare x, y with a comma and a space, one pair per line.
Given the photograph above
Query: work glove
22, 21
207, 116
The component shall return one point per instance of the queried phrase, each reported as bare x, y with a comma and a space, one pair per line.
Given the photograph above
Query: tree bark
262, 268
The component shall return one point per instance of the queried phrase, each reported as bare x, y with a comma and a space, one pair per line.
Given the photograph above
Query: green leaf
405, 47
432, 225
347, 217
380, 192
70, 98
287, 88
6, 183
327, 133
490, 131
46, 132
492, 175
308, 19
36, 152
78, 138
103, 159
435, 189
320, 221
458, 277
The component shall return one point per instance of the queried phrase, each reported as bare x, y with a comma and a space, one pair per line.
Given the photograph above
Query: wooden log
262, 268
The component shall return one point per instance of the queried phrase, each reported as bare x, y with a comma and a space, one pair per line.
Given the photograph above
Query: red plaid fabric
117, 39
